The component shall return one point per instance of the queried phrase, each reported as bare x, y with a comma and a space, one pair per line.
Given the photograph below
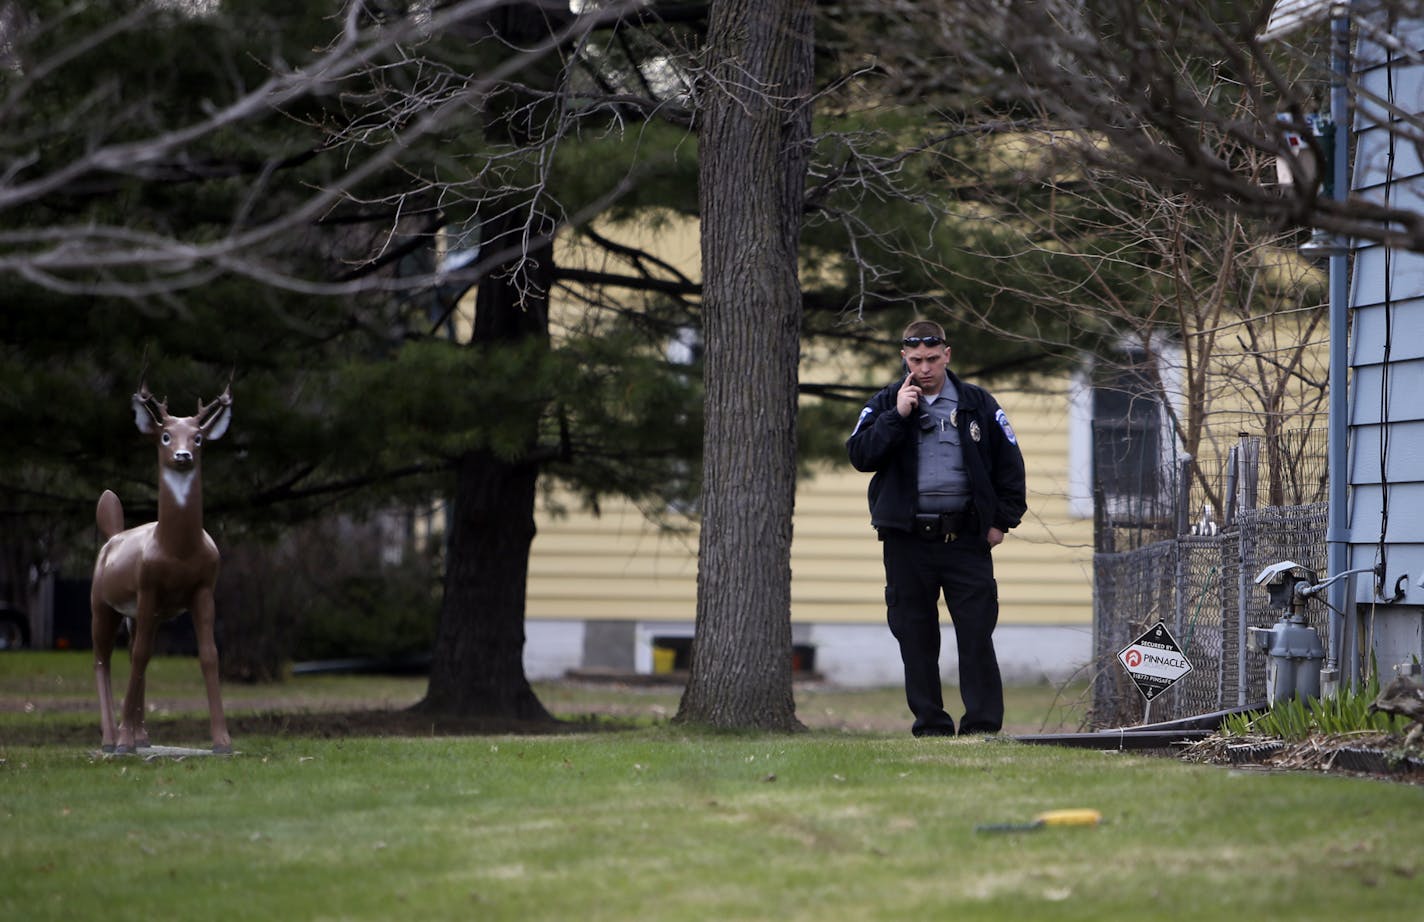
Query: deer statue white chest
159, 570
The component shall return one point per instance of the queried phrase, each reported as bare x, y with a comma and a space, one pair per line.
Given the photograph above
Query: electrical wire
1384, 431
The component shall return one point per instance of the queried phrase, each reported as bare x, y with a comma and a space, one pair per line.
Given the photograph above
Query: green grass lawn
654, 821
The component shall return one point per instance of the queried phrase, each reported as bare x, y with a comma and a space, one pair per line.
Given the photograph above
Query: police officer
948, 485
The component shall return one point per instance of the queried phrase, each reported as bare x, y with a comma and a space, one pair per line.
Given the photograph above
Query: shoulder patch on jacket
1002, 419
860, 422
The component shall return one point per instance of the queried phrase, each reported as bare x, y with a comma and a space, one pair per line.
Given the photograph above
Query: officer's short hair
923, 328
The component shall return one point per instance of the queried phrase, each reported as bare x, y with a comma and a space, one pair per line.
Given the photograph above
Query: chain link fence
1198, 577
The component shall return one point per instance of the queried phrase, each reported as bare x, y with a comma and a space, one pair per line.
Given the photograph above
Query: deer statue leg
145, 628
203, 618
104, 626
140, 707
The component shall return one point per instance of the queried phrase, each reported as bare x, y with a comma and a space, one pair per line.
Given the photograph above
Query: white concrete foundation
850, 655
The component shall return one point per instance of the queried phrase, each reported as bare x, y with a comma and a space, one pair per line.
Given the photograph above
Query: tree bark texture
478, 665
756, 113
477, 668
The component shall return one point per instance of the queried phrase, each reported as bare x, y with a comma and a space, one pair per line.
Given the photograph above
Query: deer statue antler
207, 412
145, 402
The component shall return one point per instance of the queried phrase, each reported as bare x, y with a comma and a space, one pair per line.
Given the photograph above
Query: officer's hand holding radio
909, 396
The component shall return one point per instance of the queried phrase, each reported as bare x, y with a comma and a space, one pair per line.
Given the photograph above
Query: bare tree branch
102, 259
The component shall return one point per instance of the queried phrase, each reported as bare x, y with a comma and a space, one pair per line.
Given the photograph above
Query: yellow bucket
663, 659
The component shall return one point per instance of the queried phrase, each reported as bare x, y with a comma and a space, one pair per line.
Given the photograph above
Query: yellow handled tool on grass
1075, 817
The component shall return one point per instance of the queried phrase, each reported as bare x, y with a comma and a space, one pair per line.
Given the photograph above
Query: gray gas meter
1293, 647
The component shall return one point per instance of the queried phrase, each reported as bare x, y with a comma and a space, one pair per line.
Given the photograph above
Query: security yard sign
1154, 661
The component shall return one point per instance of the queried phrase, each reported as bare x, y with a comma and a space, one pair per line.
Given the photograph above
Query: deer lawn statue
157, 571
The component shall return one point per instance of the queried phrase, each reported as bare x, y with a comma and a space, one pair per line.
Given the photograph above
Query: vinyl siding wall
1387, 356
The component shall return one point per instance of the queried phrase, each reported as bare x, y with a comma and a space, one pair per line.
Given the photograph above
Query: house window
1120, 439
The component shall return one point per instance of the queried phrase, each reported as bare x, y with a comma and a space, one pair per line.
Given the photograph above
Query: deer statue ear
148, 412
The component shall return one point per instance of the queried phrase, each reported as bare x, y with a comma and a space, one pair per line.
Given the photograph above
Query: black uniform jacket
887, 444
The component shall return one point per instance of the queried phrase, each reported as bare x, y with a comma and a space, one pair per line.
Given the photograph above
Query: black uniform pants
916, 572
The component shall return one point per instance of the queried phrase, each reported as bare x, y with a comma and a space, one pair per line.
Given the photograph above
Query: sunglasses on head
922, 341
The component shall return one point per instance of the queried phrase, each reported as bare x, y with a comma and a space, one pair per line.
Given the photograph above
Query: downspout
1337, 546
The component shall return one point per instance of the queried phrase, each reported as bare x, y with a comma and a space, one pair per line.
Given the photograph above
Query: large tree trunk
478, 664
752, 150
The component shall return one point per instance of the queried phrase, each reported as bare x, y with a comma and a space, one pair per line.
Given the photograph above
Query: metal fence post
1223, 597
1247, 459
1182, 573
1228, 515
1184, 493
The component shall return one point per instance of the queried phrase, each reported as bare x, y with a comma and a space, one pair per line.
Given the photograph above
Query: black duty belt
943, 526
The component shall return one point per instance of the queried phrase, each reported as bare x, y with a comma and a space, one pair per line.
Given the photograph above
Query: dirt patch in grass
48, 699
578, 708
192, 729
1375, 755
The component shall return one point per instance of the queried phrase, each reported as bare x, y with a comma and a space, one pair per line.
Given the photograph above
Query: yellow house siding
619, 566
